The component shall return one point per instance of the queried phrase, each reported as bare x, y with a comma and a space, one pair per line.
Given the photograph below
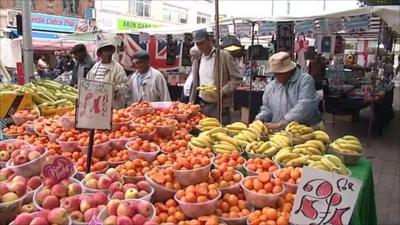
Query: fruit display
290, 176
300, 132
233, 207
23, 115
194, 159
269, 148
224, 177
257, 166
57, 216
14, 130
141, 146
209, 123
254, 132
165, 177
330, 163
140, 190
7, 147
94, 182
13, 190
164, 160
348, 145
234, 160
81, 208
134, 168
263, 184
169, 212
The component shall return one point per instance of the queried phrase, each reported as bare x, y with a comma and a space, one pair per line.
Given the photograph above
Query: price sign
324, 198
61, 168
94, 107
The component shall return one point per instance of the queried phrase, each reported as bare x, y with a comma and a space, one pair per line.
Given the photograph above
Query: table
241, 99
365, 209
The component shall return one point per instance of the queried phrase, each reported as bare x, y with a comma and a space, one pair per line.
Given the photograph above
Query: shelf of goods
151, 169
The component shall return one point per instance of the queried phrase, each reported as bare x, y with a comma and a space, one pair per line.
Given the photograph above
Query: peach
125, 210
34, 182
77, 216
74, 189
59, 190
89, 176
112, 206
39, 221
111, 220
142, 193
72, 203
23, 219
130, 185
57, 216
8, 197
100, 198
50, 182
19, 188
104, 182
87, 203
139, 219
124, 220
87, 216
50, 202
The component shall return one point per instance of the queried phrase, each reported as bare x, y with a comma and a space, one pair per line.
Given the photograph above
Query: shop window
140, 7
175, 14
18, 4
203, 18
71, 7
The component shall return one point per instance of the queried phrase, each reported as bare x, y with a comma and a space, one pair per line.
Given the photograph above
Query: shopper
195, 56
108, 70
316, 69
291, 96
147, 83
42, 66
205, 72
83, 63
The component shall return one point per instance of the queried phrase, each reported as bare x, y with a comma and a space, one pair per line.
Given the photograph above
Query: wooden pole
90, 151
217, 62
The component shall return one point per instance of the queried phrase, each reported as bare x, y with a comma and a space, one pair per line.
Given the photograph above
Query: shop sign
357, 23
94, 107
305, 27
266, 28
223, 30
285, 37
243, 29
124, 24
335, 25
324, 198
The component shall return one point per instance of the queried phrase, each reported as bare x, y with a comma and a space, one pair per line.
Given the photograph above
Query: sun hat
102, 44
281, 63
140, 55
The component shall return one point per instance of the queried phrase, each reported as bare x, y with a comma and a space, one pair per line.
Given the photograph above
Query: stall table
241, 99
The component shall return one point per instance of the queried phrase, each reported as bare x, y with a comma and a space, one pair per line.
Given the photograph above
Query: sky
263, 8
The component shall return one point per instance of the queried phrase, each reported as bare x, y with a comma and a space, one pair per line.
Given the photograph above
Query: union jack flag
157, 49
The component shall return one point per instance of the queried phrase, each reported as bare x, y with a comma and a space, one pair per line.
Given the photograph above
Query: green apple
131, 193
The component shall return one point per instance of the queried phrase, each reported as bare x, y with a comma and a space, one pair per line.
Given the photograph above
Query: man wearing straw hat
291, 96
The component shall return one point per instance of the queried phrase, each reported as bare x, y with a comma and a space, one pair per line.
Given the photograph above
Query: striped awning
87, 36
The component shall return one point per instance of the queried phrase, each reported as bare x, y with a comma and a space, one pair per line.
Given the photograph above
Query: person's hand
275, 126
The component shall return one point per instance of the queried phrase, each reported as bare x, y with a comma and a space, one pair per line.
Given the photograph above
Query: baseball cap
201, 35
141, 55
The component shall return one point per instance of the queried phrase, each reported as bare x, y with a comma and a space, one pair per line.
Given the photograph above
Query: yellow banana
271, 151
222, 151
307, 136
287, 156
249, 135
264, 146
337, 162
306, 130
314, 151
316, 157
302, 160
317, 143
322, 136
353, 147
227, 138
217, 130
351, 137
328, 164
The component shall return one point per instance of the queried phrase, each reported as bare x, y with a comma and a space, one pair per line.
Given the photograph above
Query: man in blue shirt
291, 96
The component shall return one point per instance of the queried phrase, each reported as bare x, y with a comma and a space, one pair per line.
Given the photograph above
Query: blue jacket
295, 101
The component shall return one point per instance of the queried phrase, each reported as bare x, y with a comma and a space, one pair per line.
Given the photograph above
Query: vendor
108, 70
291, 96
147, 83
83, 64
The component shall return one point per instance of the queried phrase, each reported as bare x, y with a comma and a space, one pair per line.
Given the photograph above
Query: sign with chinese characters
324, 198
94, 108
61, 168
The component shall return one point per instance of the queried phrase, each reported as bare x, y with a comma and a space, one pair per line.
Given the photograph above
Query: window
18, 4
203, 18
140, 7
175, 14
71, 7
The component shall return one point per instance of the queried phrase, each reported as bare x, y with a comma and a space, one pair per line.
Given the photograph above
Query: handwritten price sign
324, 198
94, 109
61, 168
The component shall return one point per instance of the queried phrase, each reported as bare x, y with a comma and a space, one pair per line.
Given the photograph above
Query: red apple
23, 219
50, 182
143, 185
4, 188
104, 182
72, 203
116, 186
124, 220
65, 182
87, 216
34, 182
112, 206
50, 202
39, 221
8, 197
32, 155
100, 198
91, 175
130, 185
4, 156
59, 190
86, 203
19, 188
40, 148
92, 184
42, 195
74, 189
145, 209
57, 216
118, 195
19, 178
77, 216
150, 223
139, 219
125, 210
111, 220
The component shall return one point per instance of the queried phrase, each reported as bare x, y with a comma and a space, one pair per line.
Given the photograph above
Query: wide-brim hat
102, 44
281, 63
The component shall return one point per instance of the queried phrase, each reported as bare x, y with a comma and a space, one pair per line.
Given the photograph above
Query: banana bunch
310, 147
322, 136
202, 141
223, 143
207, 88
300, 131
253, 133
348, 145
280, 140
330, 163
264, 148
209, 123
288, 157
236, 127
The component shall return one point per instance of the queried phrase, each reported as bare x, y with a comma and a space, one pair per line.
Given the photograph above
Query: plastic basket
9, 210
103, 214
195, 210
19, 120
148, 156
194, 176
161, 193
120, 142
99, 151
68, 146
166, 131
233, 189
29, 169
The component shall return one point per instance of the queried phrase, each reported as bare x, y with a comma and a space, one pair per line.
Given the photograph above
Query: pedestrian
108, 70
42, 66
83, 63
195, 55
204, 71
291, 96
147, 83
317, 69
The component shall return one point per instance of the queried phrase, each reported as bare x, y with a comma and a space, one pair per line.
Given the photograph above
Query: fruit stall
164, 163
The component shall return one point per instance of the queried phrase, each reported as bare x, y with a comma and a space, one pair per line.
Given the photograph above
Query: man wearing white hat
108, 70
291, 96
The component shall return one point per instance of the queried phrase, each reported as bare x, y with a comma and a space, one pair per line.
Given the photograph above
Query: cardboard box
10, 103
57, 111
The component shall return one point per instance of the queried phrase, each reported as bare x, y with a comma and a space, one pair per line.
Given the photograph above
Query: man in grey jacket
83, 63
291, 96
204, 71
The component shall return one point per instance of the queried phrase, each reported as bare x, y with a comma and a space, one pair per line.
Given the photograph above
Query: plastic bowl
29, 128
137, 112
92, 190
148, 156
291, 188
52, 137
19, 120
120, 142
166, 131
147, 136
234, 221
39, 134
133, 180
36, 204
233, 189
162, 106
238, 167
161, 193
10, 136
253, 173
194, 176
29, 169
8, 210
182, 117
116, 126
9, 141
68, 122
80, 175
99, 151
348, 159
69, 221
260, 200
103, 214
146, 198
68, 146
195, 210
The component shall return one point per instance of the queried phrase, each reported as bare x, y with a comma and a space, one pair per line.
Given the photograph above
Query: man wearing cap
204, 72
108, 70
147, 83
291, 96
83, 63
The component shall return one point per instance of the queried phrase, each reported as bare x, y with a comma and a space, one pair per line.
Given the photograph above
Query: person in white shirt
147, 83
42, 66
195, 55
